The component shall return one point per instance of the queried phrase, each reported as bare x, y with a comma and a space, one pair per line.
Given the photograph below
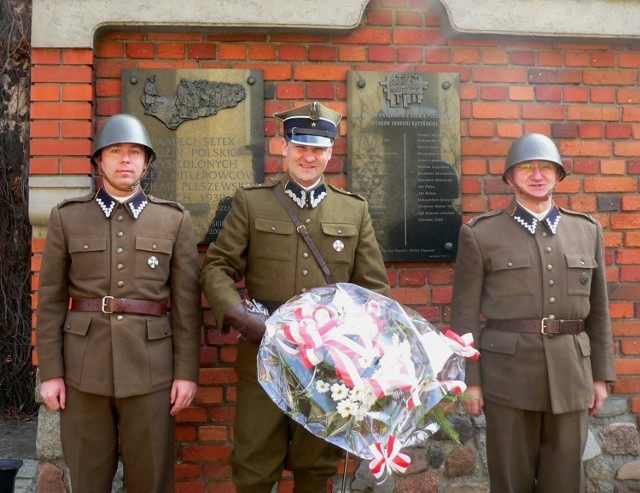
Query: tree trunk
17, 374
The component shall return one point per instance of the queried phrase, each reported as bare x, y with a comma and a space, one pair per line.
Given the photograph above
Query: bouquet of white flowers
360, 370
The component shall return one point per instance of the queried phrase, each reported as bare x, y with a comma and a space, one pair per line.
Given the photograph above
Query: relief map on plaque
404, 157
207, 129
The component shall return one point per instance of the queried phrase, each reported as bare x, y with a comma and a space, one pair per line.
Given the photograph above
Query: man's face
122, 166
534, 181
305, 164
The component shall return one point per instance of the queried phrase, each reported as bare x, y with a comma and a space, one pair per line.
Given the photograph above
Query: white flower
368, 357
397, 356
346, 408
339, 391
369, 399
322, 386
357, 394
365, 361
360, 413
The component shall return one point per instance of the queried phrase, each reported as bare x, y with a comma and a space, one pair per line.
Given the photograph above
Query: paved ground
18, 438
18, 441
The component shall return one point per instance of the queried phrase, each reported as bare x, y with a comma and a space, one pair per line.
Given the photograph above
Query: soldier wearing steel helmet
259, 242
118, 327
536, 273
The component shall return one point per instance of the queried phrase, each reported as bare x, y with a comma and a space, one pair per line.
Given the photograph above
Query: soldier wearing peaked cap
546, 346
112, 359
259, 242
314, 125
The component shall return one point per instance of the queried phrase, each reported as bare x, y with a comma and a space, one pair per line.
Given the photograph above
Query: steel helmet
120, 129
533, 147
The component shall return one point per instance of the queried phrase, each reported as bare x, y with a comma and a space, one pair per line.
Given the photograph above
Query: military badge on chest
584, 278
153, 262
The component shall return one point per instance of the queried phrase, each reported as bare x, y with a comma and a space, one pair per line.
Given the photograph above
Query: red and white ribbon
389, 459
453, 386
404, 378
463, 343
320, 329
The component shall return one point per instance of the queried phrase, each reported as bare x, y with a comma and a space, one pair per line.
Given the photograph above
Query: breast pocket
508, 269
339, 242
153, 257
338, 246
579, 273
88, 257
274, 238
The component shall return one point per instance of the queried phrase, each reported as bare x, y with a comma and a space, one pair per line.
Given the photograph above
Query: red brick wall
583, 95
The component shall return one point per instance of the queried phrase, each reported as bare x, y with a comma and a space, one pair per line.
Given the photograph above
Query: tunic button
339, 231
120, 317
509, 264
68, 327
120, 234
305, 255
303, 290
305, 272
549, 267
119, 250
120, 266
273, 228
551, 317
307, 221
120, 218
552, 282
154, 246
120, 284
548, 249
552, 300
544, 234
582, 262
85, 247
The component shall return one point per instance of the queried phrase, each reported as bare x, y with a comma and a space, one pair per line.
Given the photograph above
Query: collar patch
106, 203
135, 205
305, 198
529, 222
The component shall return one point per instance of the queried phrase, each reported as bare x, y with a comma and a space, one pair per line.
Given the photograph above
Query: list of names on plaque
404, 157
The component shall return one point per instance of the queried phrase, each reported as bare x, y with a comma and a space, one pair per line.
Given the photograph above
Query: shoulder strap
300, 228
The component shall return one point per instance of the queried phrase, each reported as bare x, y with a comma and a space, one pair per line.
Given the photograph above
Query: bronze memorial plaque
207, 128
404, 157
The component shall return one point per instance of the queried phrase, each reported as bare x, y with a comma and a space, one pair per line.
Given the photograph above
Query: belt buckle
105, 304
542, 326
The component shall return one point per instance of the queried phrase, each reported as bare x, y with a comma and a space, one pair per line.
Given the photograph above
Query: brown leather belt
109, 304
545, 326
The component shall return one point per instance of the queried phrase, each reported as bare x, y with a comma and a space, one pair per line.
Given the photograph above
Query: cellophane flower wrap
360, 370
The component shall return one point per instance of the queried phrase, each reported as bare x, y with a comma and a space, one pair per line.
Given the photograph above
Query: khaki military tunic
505, 272
88, 256
259, 241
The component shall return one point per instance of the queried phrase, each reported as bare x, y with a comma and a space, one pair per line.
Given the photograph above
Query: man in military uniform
113, 361
537, 273
260, 242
